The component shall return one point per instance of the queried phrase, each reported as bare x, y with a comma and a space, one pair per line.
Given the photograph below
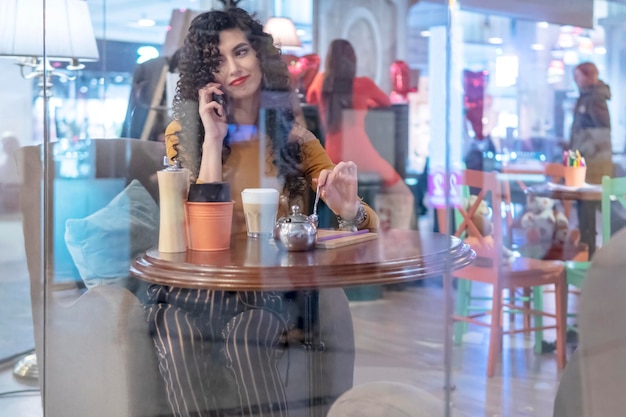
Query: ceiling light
146, 53
571, 57
145, 23
495, 40
425, 33
599, 50
537, 47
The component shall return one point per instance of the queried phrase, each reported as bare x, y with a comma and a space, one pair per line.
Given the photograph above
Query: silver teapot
296, 232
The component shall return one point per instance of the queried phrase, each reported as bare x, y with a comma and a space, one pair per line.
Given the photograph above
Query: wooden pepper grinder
173, 188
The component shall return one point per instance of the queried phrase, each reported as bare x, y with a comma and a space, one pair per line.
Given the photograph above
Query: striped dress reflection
218, 351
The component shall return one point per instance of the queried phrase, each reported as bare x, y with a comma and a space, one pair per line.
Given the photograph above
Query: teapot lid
295, 216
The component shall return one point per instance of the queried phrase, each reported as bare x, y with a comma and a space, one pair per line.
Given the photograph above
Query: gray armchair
94, 351
594, 379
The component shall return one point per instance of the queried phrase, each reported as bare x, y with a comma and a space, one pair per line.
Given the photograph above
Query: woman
591, 128
591, 135
230, 75
344, 99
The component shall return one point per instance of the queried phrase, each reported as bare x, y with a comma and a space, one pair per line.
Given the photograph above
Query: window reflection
522, 121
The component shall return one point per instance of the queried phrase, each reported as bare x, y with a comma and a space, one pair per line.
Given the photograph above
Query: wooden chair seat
524, 273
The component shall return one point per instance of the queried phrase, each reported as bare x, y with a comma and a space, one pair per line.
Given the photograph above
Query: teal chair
464, 303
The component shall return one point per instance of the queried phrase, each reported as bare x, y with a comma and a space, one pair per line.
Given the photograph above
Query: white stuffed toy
542, 221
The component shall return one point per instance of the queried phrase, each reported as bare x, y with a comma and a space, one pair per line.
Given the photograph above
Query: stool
389, 399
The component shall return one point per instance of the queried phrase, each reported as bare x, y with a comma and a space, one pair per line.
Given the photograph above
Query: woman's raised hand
212, 114
338, 188
215, 129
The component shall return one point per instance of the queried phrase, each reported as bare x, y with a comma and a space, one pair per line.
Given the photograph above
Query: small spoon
314, 217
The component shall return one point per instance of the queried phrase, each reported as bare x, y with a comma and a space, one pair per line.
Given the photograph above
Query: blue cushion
104, 243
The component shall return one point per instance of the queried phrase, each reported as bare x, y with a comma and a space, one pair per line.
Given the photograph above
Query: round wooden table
259, 265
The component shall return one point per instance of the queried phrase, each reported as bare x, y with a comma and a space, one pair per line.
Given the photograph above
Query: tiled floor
16, 328
399, 338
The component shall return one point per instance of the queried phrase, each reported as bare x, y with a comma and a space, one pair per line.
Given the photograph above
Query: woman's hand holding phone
213, 119
212, 113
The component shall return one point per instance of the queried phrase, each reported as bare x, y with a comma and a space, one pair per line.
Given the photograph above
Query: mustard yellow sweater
241, 170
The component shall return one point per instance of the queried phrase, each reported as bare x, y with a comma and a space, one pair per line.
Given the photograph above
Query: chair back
613, 190
112, 165
487, 189
79, 384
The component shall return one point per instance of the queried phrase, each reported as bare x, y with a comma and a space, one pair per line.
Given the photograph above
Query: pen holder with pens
574, 176
574, 170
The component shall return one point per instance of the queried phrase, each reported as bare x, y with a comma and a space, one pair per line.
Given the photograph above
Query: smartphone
221, 99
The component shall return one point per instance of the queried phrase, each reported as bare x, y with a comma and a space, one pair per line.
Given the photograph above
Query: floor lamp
69, 37
285, 35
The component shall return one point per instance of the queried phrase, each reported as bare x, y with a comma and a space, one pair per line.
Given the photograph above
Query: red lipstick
239, 81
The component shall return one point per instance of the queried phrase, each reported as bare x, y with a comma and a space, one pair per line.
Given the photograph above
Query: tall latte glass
260, 207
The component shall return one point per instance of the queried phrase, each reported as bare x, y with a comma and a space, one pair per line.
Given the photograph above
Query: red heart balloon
308, 66
302, 70
474, 84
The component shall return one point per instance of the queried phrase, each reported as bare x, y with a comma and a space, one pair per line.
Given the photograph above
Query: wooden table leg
587, 224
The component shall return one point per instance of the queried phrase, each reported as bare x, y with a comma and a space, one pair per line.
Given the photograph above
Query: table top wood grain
259, 265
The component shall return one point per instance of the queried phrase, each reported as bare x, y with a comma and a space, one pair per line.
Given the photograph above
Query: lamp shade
283, 31
69, 33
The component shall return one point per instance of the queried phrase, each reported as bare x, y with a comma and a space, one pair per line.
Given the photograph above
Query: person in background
8, 168
344, 99
591, 127
591, 135
218, 350
9, 175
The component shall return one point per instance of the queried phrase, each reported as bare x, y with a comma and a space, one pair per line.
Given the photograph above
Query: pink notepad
332, 239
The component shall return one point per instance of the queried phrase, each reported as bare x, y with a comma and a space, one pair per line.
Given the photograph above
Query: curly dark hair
199, 60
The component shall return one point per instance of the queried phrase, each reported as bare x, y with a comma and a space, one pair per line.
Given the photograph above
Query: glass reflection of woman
338, 90
218, 350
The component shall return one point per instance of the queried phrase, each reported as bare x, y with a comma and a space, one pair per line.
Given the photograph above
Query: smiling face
239, 70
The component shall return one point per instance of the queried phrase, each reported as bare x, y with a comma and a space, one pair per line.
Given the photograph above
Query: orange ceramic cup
574, 176
209, 225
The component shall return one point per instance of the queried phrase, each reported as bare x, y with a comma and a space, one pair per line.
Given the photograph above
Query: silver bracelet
353, 225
